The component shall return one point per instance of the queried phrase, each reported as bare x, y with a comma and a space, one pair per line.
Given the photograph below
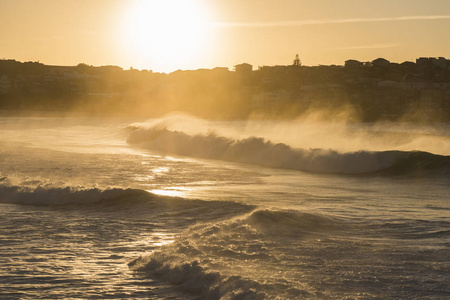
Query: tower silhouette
297, 61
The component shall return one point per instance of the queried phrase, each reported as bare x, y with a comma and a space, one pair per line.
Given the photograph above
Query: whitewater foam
232, 260
70, 221
256, 150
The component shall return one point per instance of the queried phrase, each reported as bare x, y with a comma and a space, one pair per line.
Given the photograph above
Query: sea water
181, 208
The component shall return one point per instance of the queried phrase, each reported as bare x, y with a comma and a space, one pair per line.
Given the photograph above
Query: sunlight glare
168, 192
166, 33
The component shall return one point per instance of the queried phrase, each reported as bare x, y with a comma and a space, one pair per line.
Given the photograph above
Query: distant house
219, 72
352, 63
220, 69
439, 62
380, 62
408, 66
243, 69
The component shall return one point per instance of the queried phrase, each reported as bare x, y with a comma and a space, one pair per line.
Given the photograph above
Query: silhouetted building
440, 62
352, 63
223, 70
297, 62
243, 69
380, 88
381, 62
408, 66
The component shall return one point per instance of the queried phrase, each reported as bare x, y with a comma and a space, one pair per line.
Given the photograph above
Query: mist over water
343, 148
184, 208
314, 131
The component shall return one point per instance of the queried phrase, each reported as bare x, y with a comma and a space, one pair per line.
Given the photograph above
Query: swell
420, 163
61, 196
200, 260
256, 150
289, 254
135, 201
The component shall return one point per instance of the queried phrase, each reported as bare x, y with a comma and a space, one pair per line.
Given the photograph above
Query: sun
168, 34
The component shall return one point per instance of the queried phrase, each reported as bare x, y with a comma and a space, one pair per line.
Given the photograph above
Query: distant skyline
164, 36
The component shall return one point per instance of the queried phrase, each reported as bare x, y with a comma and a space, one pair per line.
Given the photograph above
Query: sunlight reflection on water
171, 191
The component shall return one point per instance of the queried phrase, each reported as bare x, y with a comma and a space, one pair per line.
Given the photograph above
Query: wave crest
191, 277
236, 259
64, 195
256, 150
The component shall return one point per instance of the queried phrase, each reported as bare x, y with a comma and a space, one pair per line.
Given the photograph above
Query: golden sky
167, 35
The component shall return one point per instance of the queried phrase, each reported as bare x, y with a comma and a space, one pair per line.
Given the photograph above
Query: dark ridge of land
360, 91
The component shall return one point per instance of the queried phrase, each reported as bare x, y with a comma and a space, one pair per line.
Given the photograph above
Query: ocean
183, 208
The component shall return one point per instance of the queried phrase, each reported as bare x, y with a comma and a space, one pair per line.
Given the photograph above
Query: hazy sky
189, 34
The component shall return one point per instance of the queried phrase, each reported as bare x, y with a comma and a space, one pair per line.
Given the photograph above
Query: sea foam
233, 259
257, 150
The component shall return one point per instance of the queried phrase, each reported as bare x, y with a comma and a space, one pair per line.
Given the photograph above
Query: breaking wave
42, 196
199, 261
190, 276
257, 150
134, 201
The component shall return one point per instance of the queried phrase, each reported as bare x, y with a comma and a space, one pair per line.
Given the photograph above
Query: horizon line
228, 67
